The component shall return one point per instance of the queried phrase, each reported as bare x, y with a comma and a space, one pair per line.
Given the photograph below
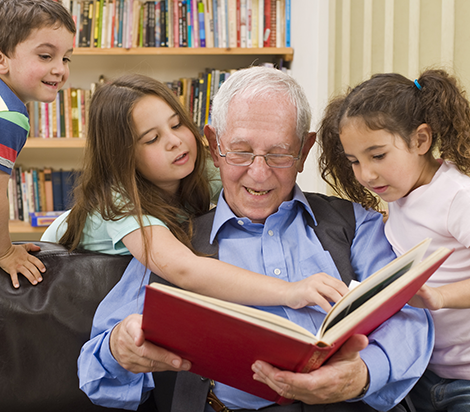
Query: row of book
39, 190
66, 116
181, 23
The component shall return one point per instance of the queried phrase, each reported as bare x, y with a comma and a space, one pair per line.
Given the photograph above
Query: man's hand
134, 353
318, 289
343, 377
17, 259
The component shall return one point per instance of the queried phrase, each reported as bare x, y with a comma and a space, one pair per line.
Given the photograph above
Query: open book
223, 339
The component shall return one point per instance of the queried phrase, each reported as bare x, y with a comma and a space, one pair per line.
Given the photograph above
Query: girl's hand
18, 260
428, 298
319, 289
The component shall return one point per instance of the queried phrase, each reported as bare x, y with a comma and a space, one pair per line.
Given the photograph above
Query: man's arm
105, 381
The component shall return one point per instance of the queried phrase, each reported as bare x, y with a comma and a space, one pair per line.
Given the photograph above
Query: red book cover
222, 340
267, 23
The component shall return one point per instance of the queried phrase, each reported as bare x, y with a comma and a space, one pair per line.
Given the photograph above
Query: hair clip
418, 85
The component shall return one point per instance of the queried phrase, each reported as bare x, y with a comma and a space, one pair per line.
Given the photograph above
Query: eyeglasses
279, 161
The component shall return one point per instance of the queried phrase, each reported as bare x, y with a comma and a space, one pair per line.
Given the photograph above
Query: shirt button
270, 233
277, 272
240, 222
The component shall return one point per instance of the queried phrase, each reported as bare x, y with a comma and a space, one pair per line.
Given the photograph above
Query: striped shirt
14, 127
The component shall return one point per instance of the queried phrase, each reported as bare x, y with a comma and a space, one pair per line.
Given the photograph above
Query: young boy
36, 43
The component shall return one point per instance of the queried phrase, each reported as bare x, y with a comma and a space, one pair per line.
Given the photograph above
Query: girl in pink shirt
408, 143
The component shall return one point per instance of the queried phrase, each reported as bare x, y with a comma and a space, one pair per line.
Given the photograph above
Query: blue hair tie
418, 85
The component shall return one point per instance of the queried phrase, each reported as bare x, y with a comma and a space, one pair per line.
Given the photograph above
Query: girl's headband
418, 85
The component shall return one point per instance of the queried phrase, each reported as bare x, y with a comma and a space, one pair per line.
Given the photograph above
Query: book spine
239, 22
184, 24
13, 211
195, 23
272, 36
37, 193
232, 23
48, 190
288, 23
56, 177
202, 31
267, 23
215, 22
19, 194
260, 23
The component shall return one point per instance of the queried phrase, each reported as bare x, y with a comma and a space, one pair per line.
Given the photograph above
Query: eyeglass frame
266, 156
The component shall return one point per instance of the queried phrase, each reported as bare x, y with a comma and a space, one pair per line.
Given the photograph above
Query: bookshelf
287, 53
165, 64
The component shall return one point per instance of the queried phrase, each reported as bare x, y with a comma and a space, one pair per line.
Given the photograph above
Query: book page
388, 300
374, 284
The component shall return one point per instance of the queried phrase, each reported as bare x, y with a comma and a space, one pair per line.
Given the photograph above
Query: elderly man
260, 139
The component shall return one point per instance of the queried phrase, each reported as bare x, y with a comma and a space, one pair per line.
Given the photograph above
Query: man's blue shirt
285, 247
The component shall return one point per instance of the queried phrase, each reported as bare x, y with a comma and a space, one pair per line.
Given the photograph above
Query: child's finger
37, 263
31, 272
14, 280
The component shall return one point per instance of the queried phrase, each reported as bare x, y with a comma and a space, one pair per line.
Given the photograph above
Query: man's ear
4, 64
422, 139
209, 132
309, 141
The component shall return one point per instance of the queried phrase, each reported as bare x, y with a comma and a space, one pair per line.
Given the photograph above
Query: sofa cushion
43, 327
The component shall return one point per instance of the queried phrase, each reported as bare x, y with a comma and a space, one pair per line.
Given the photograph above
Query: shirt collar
223, 213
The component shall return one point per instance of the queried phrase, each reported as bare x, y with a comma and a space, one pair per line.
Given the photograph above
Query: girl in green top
145, 178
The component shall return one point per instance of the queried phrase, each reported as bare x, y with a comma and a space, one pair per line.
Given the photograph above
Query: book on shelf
179, 23
64, 117
43, 219
39, 191
222, 339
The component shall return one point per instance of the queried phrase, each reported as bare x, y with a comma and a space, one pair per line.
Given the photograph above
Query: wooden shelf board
286, 52
55, 143
18, 226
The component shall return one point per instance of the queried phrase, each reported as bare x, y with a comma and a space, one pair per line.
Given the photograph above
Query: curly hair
394, 103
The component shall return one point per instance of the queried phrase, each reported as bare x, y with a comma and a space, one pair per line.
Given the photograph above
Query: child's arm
453, 295
15, 259
179, 265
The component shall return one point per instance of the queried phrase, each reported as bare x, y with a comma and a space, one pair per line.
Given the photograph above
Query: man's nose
259, 170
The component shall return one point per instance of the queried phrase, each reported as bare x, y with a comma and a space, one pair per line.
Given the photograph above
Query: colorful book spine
202, 31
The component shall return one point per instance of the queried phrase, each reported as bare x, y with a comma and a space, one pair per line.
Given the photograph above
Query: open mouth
256, 193
180, 157
54, 84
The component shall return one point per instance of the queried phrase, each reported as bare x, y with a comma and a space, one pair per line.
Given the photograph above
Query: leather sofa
43, 327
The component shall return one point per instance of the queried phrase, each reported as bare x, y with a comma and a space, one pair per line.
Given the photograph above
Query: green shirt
106, 236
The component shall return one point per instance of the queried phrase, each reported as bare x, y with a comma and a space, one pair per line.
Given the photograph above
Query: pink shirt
440, 210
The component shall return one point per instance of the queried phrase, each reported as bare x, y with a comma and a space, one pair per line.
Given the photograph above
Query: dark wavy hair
394, 103
110, 168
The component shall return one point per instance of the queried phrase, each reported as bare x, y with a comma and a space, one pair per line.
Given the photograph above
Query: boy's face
39, 66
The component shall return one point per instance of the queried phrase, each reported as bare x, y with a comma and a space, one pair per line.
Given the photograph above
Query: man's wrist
365, 388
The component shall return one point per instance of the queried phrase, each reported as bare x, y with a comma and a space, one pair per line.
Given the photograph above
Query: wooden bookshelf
54, 143
287, 53
18, 226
